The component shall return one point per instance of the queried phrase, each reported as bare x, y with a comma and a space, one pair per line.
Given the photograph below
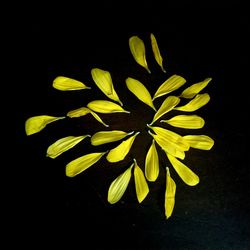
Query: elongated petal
172, 83
141, 185
119, 153
98, 118
35, 124
152, 163
169, 195
140, 91
103, 80
82, 163
65, 83
186, 121
103, 137
169, 103
156, 52
103, 106
199, 101
194, 89
78, 112
203, 142
119, 186
64, 144
138, 51
186, 174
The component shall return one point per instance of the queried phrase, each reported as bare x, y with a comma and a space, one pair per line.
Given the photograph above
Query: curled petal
78, 112
35, 124
65, 83
64, 144
141, 185
186, 174
172, 83
203, 142
98, 118
119, 186
138, 51
169, 195
186, 121
82, 163
140, 91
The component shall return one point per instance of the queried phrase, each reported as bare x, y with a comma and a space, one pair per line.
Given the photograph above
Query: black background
50, 209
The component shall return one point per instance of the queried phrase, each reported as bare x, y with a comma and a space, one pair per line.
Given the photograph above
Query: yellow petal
65, 83
186, 121
140, 91
196, 103
103, 137
98, 118
169, 195
103, 80
78, 112
152, 163
172, 83
119, 153
194, 89
36, 123
119, 186
169, 103
186, 174
138, 51
141, 185
103, 106
82, 163
64, 144
156, 52
203, 142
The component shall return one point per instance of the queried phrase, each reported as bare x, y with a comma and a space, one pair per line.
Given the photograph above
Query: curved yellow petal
156, 52
65, 84
82, 163
119, 153
138, 51
35, 124
169, 103
199, 101
203, 142
64, 144
103, 137
172, 83
140, 91
78, 112
98, 118
194, 89
119, 186
169, 195
103, 80
186, 174
186, 121
152, 163
141, 185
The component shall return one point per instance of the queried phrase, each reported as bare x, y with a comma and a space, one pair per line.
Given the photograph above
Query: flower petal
103, 137
152, 163
196, 103
119, 153
78, 112
203, 142
186, 121
103, 80
141, 185
194, 89
138, 51
140, 91
172, 83
156, 52
35, 124
169, 195
64, 144
119, 186
98, 118
82, 163
186, 174
65, 83
169, 103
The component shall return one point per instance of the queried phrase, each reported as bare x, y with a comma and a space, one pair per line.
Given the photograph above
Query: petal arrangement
175, 146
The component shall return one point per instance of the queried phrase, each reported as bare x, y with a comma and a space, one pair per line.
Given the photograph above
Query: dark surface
53, 210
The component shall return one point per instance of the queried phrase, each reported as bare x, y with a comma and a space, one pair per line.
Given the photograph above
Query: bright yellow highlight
169, 194
202, 142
